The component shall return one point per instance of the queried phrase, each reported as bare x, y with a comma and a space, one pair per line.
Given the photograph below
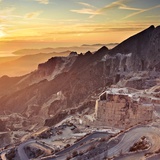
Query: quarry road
63, 154
127, 140
3, 153
21, 151
23, 155
3, 156
89, 137
132, 136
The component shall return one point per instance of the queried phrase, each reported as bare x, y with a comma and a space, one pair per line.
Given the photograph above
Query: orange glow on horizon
24, 24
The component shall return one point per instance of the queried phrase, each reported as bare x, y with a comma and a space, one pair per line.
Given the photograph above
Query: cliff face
124, 108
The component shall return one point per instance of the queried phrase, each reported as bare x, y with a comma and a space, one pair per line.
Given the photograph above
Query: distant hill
8, 58
17, 66
79, 49
24, 52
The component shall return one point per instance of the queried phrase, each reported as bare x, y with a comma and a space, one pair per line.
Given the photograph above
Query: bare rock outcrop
125, 107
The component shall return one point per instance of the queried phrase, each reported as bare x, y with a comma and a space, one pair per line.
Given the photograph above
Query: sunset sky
54, 23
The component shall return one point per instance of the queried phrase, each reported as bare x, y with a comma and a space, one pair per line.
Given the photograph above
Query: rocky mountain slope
145, 49
63, 83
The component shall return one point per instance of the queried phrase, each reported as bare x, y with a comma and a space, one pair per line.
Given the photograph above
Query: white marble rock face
123, 108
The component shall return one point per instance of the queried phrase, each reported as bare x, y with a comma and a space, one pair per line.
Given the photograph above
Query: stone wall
118, 110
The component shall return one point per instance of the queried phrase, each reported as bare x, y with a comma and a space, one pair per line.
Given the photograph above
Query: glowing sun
2, 34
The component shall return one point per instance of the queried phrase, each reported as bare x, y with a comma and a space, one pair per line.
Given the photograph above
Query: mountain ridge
68, 82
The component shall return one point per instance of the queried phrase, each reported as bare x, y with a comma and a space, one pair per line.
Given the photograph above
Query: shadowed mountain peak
102, 50
88, 53
135, 43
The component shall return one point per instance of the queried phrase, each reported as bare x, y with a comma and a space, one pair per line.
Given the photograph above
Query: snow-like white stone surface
66, 66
